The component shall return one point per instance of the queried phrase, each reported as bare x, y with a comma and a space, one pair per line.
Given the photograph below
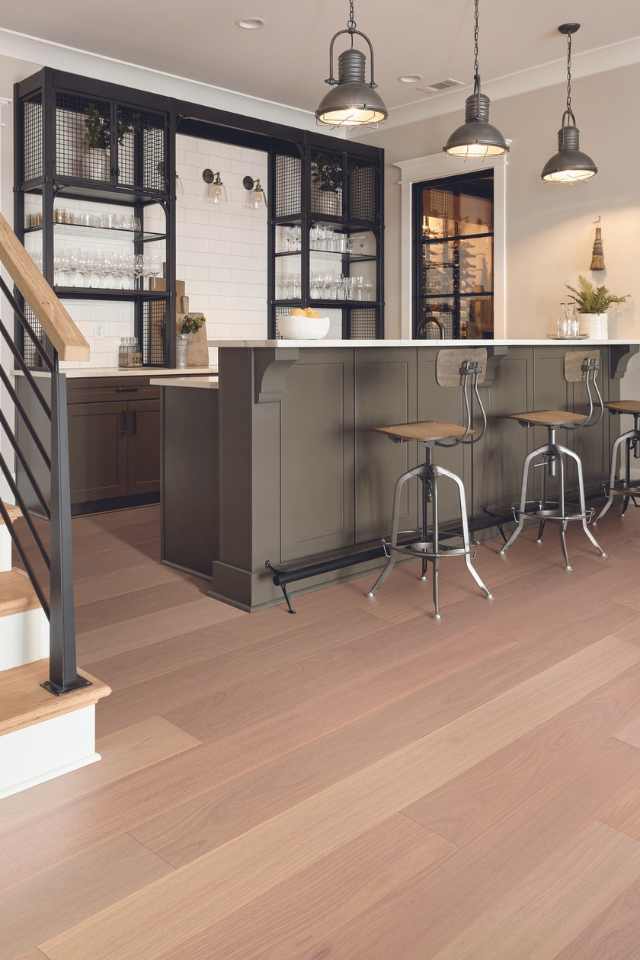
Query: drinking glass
562, 323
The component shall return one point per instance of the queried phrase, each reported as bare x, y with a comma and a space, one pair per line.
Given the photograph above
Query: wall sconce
256, 197
217, 192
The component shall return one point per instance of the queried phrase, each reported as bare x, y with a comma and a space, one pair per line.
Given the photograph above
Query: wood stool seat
425, 431
624, 406
549, 418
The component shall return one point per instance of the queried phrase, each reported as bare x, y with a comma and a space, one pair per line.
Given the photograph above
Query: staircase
47, 705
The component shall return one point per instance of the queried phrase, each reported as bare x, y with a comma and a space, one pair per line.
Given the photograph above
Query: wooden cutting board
197, 350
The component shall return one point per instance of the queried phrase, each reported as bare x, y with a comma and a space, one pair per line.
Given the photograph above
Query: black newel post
63, 674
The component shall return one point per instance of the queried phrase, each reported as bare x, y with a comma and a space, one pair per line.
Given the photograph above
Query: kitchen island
290, 467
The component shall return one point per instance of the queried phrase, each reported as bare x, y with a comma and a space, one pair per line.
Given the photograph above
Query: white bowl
303, 328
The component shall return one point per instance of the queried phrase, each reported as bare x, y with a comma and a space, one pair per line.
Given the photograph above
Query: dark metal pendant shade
569, 164
476, 137
353, 100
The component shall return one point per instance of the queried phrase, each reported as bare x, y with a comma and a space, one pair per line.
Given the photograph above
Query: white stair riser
5, 550
25, 637
46, 750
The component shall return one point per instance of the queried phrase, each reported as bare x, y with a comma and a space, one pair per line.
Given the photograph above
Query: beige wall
549, 227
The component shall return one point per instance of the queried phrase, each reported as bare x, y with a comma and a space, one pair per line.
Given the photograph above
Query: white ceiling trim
21, 46
597, 60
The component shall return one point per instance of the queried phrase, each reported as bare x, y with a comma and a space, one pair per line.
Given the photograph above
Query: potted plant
191, 323
592, 303
97, 158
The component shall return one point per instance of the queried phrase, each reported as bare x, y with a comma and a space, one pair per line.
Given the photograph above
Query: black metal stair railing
54, 504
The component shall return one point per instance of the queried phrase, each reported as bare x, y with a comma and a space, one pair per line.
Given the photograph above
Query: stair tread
16, 593
14, 512
24, 702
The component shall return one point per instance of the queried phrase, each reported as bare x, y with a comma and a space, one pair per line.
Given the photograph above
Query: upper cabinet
326, 221
93, 202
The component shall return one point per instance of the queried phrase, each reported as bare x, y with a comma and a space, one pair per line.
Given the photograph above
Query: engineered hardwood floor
356, 782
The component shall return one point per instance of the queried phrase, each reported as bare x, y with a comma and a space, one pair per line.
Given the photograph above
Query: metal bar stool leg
563, 511
612, 476
583, 503
541, 525
627, 477
465, 530
395, 531
523, 497
436, 546
424, 563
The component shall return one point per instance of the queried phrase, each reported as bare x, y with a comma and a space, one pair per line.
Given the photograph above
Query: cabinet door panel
143, 446
97, 445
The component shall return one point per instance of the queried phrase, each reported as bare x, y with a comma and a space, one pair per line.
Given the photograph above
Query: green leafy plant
327, 174
98, 129
591, 299
192, 322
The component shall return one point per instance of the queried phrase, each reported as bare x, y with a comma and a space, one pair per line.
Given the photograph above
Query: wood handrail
54, 318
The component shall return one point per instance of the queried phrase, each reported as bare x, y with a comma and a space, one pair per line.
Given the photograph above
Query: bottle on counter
129, 354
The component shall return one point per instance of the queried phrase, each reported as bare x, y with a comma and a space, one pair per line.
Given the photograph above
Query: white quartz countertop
73, 372
191, 383
349, 344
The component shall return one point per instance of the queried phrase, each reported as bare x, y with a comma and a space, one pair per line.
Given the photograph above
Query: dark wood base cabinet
114, 443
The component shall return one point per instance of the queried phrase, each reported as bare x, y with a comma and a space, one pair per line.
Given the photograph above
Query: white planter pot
595, 325
96, 163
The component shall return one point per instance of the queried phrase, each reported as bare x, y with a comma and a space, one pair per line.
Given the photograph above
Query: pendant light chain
476, 44
351, 22
569, 45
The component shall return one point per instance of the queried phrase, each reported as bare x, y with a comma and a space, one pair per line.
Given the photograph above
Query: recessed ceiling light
410, 78
250, 23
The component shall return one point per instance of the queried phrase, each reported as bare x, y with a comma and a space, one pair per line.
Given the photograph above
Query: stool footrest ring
425, 550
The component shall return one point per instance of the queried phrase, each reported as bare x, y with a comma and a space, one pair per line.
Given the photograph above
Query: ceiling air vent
442, 85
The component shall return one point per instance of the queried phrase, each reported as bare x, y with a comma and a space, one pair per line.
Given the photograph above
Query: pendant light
476, 138
352, 101
569, 164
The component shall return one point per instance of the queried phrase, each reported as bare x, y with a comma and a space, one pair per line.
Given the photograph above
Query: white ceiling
287, 60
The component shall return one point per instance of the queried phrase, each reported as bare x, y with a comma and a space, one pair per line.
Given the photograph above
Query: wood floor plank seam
191, 814
552, 905
242, 869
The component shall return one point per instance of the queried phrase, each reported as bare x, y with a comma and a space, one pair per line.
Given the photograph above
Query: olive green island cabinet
281, 463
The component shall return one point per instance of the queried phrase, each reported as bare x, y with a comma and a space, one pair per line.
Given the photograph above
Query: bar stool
454, 368
625, 488
578, 367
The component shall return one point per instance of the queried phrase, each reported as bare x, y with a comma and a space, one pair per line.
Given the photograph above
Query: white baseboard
42, 751
24, 638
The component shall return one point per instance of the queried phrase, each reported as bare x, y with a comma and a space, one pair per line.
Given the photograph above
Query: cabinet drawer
110, 391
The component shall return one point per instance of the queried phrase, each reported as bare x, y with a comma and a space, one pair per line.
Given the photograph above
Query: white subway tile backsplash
221, 253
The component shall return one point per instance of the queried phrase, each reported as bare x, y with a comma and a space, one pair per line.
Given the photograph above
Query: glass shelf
107, 293
80, 230
326, 304
351, 257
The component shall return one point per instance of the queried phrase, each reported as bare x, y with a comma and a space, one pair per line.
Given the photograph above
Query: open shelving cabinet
326, 206
330, 191
130, 171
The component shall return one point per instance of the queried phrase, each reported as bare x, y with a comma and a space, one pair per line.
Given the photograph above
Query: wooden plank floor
353, 782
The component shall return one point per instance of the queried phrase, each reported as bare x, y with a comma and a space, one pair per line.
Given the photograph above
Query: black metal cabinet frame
136, 170
44, 103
